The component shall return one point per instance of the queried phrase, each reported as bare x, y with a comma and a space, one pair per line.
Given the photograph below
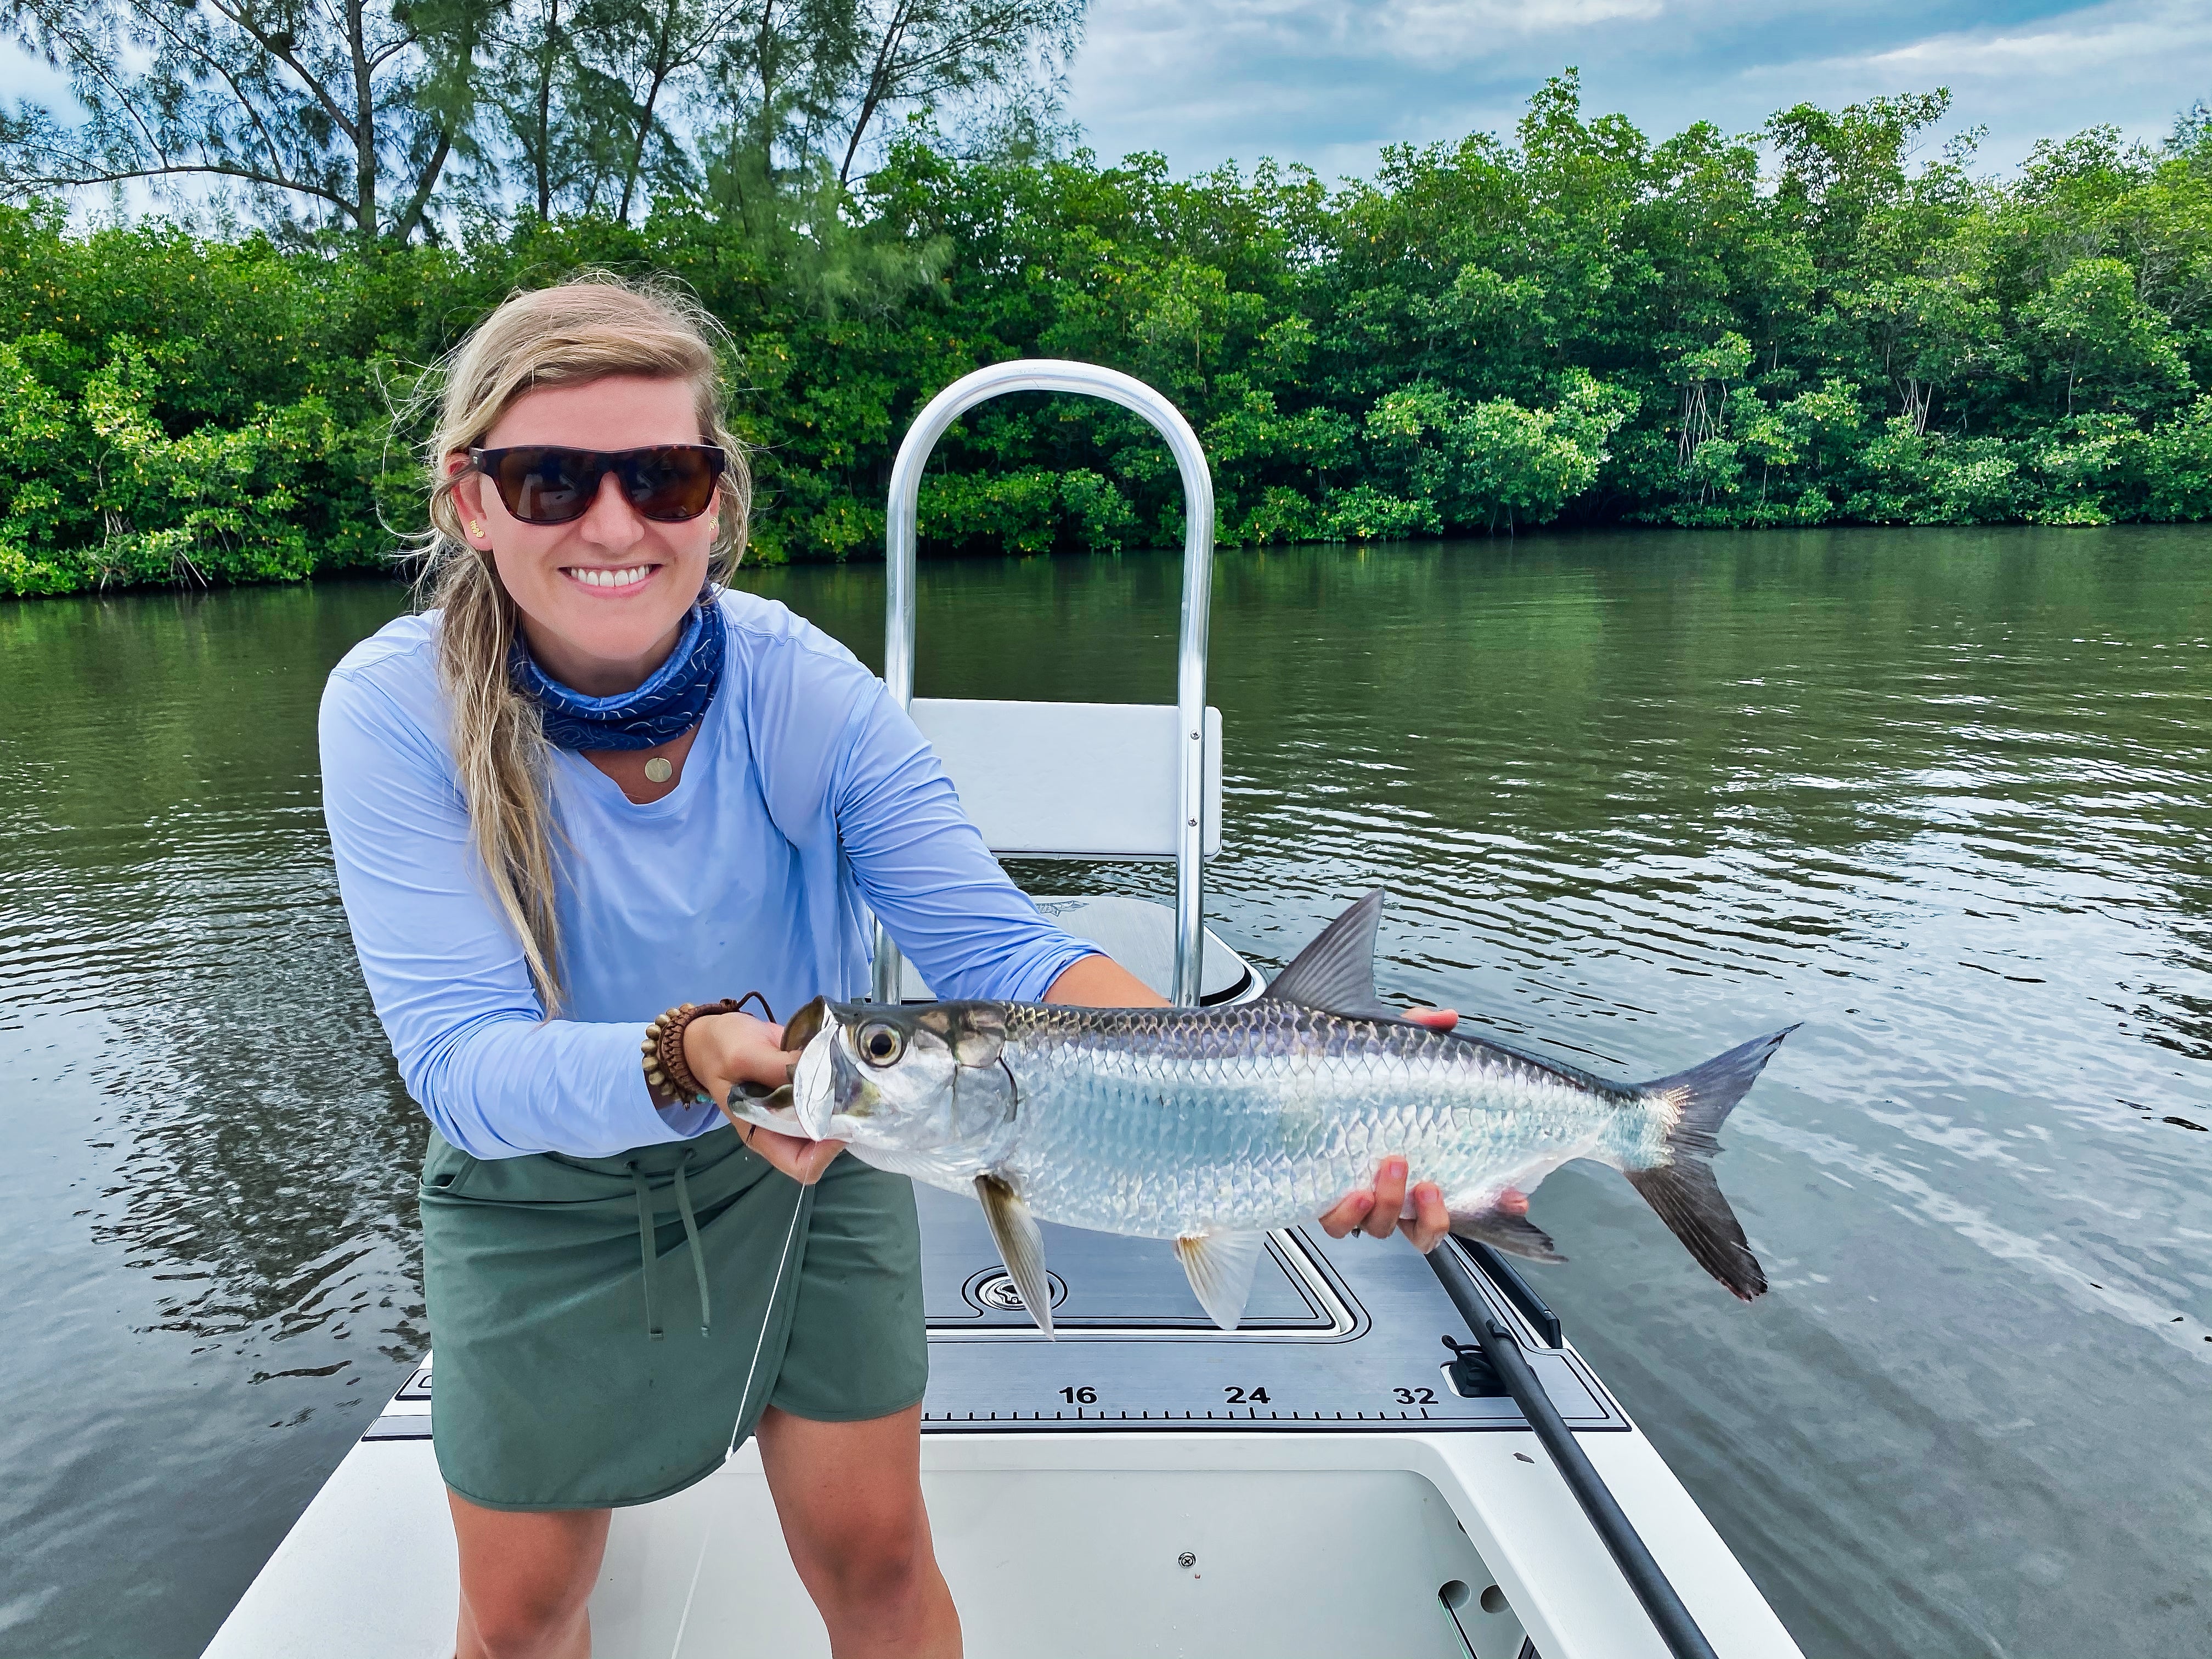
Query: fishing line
691, 1591
790, 1238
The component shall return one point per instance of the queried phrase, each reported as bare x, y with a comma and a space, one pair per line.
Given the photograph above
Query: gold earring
475, 529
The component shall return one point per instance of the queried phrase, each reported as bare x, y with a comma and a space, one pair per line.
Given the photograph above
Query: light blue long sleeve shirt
808, 801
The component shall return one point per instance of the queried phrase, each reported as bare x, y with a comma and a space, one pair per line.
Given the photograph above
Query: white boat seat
1071, 780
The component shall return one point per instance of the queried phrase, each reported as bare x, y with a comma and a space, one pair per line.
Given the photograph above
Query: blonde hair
593, 326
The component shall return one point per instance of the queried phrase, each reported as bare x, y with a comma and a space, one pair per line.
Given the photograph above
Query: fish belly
1161, 1151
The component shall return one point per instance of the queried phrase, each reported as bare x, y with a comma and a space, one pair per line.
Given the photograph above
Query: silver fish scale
1166, 1121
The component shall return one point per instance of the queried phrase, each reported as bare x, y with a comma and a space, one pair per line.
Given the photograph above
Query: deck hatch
1346, 1336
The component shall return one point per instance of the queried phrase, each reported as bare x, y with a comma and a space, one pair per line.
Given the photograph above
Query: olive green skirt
608, 1329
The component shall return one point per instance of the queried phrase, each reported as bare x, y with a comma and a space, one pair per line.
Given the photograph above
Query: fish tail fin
1682, 1189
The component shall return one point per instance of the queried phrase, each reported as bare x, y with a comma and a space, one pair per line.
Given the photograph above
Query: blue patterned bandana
666, 706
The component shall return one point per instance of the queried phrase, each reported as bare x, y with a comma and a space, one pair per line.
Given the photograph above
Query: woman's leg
849, 1496
525, 1576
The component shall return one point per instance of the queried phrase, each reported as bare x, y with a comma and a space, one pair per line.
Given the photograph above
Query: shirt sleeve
448, 974
923, 869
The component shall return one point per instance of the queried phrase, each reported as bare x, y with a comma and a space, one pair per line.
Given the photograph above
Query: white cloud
2097, 41
2132, 63
1330, 83
1433, 32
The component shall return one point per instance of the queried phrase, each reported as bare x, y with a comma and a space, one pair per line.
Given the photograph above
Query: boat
1391, 1454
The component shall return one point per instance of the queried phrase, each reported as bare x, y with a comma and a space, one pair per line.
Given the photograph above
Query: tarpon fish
1210, 1126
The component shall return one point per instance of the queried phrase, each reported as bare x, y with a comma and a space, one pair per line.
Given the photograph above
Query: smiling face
604, 596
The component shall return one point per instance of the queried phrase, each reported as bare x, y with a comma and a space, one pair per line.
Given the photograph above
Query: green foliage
1578, 325
96, 492
1494, 464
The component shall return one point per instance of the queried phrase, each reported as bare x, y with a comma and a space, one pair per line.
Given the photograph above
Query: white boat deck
1417, 1528
1071, 1543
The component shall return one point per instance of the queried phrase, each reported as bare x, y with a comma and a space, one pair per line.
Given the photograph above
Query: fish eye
880, 1045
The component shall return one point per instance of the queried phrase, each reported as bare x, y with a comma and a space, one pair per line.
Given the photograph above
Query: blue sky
1329, 81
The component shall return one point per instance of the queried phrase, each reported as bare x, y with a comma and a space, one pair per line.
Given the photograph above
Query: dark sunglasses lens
547, 486
670, 484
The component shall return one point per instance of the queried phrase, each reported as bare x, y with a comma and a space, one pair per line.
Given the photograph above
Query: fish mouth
755, 1110
813, 1083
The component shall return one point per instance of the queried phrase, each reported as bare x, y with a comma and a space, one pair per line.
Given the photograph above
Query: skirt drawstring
698, 1253
645, 1247
645, 1242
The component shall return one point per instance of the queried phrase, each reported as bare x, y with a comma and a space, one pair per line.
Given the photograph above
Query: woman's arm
924, 871
446, 975
1099, 982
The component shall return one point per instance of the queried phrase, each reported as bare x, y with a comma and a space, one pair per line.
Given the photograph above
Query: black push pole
1503, 1349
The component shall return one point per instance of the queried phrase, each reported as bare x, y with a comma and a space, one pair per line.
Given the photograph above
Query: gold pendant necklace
658, 770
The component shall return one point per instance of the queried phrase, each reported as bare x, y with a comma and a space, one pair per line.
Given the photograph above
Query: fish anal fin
1221, 1266
1336, 974
1515, 1235
1021, 1246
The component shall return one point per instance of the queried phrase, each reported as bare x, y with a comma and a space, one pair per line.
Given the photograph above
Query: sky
1330, 83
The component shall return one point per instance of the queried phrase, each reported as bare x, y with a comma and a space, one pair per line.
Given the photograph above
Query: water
1940, 795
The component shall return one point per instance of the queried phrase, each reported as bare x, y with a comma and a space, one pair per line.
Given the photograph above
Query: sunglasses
540, 483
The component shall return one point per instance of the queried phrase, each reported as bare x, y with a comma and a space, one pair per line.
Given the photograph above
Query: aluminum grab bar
1053, 375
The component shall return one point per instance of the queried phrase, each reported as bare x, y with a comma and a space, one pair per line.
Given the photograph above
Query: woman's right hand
725, 1050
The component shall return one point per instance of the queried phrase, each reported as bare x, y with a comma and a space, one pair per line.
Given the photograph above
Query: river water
1940, 795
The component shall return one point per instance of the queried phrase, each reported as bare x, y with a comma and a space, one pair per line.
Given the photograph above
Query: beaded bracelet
666, 1073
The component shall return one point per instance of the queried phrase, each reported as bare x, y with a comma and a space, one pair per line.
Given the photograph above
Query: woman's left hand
1379, 1208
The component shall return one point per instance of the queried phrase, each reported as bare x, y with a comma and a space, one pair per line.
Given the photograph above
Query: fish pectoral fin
1515, 1235
1021, 1245
1221, 1266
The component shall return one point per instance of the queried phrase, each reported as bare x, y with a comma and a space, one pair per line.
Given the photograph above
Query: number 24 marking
1246, 1396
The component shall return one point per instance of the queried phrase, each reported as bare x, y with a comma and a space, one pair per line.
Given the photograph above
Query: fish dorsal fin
1021, 1246
1336, 974
1221, 1266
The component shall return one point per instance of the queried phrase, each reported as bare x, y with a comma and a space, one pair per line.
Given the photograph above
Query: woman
587, 789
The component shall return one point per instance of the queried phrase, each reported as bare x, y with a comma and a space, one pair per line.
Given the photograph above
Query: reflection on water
1940, 795
205, 1205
